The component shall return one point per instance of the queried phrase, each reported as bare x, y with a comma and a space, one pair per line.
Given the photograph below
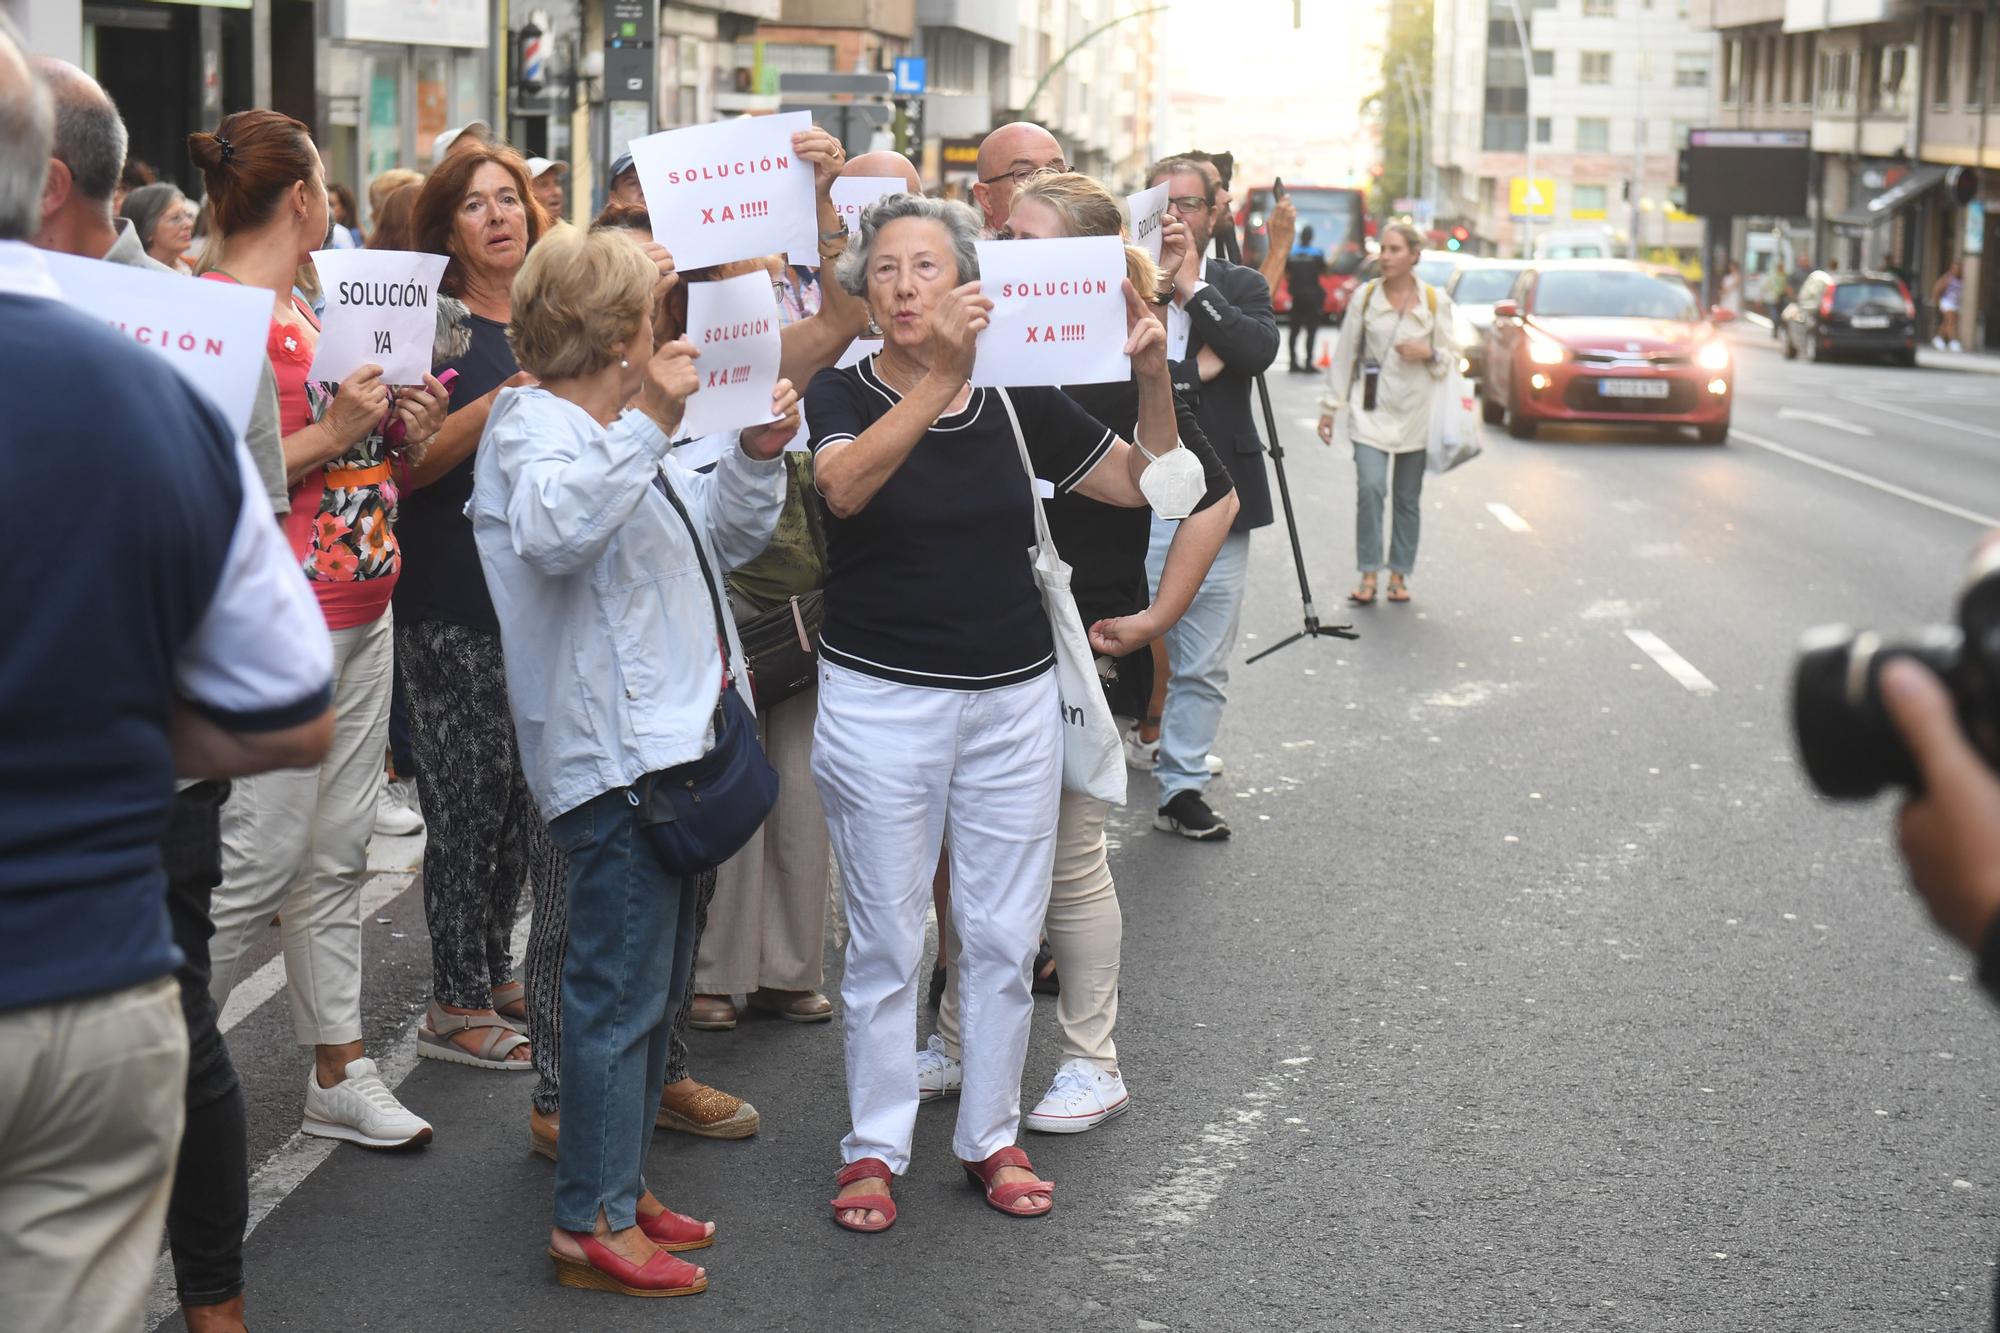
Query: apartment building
1615, 84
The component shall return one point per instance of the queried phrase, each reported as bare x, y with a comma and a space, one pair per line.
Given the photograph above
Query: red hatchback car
1606, 341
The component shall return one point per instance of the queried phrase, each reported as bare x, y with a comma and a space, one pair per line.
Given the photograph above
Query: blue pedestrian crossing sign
911, 75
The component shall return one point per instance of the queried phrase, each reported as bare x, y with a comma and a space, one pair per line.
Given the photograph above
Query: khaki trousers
90, 1126
767, 925
1086, 933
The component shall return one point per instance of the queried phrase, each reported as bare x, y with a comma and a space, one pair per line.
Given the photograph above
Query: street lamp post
1531, 196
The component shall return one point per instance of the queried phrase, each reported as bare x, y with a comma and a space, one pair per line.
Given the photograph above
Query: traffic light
1459, 236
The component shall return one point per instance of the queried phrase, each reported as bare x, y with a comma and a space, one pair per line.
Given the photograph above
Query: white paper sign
858, 351
853, 194
1149, 212
214, 333
734, 325
731, 190
381, 309
1058, 312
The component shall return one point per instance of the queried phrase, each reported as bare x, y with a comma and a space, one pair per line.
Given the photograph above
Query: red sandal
601, 1269
868, 1168
676, 1232
1007, 1198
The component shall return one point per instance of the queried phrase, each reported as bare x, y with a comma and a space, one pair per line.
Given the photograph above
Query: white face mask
1173, 483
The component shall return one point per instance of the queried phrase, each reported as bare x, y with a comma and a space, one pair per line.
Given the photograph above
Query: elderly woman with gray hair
938, 708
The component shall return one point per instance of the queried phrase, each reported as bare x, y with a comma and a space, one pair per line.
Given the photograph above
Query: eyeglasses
1189, 203
1026, 172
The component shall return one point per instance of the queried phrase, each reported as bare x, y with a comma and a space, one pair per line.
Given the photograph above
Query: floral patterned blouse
342, 524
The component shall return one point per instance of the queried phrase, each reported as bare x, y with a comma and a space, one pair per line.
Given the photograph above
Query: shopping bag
1454, 425
1093, 755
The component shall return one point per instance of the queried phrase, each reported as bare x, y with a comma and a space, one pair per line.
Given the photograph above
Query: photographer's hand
1950, 833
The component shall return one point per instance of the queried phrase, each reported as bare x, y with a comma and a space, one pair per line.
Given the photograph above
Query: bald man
1007, 158
885, 163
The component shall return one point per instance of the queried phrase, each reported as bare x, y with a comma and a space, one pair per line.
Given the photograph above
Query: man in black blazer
1221, 335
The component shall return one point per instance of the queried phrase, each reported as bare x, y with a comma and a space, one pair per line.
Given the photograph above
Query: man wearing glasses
1007, 158
1221, 334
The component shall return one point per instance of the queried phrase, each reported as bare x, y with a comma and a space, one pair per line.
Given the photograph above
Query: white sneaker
1140, 756
361, 1109
1937, 341
1955, 345
1082, 1097
1215, 765
938, 1075
396, 810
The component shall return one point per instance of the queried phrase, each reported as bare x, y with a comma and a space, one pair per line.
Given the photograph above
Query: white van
1578, 243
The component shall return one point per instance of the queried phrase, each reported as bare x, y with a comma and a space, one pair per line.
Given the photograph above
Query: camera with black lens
1850, 746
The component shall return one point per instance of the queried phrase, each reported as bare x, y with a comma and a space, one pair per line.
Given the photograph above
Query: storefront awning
1907, 190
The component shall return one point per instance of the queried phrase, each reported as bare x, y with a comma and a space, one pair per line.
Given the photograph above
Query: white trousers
296, 842
897, 767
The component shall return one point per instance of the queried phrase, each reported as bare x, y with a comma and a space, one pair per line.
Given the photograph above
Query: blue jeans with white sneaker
1198, 649
631, 950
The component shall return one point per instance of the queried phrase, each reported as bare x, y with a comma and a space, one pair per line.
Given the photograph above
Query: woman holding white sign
1105, 546
938, 707
296, 842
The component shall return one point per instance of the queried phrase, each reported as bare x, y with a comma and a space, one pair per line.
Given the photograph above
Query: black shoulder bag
778, 643
699, 814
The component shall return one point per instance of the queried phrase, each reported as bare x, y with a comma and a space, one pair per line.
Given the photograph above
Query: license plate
1632, 388
1871, 321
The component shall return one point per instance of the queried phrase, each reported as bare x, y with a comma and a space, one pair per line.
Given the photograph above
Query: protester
1105, 546
1221, 336
295, 844
587, 530
1729, 292
1302, 282
136, 173
165, 223
1007, 158
1947, 293
387, 183
395, 220
472, 134
766, 933
545, 178
938, 714
1399, 335
345, 233
205, 658
485, 837
1279, 228
624, 178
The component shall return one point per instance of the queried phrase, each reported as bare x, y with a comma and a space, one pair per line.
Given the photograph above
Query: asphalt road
1534, 990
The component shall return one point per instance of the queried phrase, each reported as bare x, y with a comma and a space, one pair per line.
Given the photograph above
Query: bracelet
837, 234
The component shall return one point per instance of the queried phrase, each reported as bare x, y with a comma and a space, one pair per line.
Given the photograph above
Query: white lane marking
1761, 321
1898, 410
1886, 487
1509, 520
1671, 662
1822, 419
268, 980
299, 1156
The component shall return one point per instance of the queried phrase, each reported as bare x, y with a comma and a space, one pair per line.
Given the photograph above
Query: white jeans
898, 766
296, 842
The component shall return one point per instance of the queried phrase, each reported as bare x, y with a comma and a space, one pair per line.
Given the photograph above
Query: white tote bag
1093, 756
1454, 424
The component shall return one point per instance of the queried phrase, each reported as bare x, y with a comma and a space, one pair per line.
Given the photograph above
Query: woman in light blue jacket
586, 530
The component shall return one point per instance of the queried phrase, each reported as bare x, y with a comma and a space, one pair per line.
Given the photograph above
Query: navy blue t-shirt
930, 584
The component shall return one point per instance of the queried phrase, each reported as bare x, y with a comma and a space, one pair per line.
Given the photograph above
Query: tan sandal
434, 1040
511, 995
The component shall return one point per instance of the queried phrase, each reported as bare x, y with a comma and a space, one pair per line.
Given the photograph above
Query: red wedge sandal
868, 1168
601, 1269
675, 1232
1007, 1198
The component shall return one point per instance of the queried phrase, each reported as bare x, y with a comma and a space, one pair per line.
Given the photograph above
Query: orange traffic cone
1325, 361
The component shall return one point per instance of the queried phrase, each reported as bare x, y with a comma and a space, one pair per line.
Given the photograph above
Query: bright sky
1285, 100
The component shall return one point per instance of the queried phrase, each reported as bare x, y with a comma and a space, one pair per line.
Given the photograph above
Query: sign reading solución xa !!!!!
1058, 312
731, 190
733, 324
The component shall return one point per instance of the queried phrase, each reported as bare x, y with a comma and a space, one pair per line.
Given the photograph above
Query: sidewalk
1928, 357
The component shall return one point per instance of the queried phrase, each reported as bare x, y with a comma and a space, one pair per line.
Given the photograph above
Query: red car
1606, 341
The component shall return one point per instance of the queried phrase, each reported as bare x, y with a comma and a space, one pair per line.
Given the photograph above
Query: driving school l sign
1058, 312
732, 190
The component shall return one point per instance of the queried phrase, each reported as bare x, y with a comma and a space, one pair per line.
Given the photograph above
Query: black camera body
1850, 747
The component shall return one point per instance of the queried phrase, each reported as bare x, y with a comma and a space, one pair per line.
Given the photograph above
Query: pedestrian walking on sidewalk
604, 554
1947, 293
1394, 350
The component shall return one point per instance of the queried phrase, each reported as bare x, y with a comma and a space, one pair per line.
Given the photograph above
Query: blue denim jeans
631, 950
1198, 649
1371, 478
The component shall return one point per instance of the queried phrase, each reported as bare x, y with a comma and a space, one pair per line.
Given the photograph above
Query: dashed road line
1886, 487
1509, 520
1823, 419
1671, 662
1899, 410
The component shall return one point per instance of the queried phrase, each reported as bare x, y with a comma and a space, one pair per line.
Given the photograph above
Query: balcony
1815, 15
995, 20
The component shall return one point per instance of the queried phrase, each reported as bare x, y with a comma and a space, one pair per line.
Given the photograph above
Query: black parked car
1867, 314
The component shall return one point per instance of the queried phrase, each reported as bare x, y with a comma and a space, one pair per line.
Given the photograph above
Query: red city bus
1338, 217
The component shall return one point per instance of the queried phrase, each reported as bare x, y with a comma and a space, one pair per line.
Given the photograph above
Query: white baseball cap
441, 144
538, 165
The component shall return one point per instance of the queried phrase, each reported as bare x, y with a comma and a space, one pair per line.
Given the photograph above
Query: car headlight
1544, 352
1713, 356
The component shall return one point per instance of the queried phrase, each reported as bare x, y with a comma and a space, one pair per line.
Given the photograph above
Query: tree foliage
1406, 69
